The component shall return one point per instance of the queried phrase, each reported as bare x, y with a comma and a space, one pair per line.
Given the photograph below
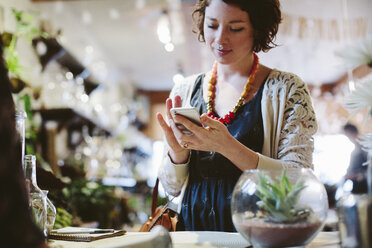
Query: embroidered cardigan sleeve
289, 123
173, 176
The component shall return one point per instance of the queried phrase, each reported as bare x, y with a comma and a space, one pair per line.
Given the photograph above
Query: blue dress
212, 177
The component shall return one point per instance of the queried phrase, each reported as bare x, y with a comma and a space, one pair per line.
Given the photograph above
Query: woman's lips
223, 52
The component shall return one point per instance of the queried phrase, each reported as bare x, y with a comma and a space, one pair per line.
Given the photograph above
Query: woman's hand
212, 136
177, 152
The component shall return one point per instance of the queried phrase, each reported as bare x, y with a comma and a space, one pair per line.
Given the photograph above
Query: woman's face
228, 32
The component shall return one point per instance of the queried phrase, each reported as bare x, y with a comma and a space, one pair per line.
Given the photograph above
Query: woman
253, 117
17, 228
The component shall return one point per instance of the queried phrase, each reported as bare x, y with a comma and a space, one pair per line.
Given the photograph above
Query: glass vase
270, 211
37, 199
51, 213
354, 212
21, 117
355, 220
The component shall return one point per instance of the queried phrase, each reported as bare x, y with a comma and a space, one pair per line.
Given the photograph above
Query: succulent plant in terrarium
278, 200
279, 207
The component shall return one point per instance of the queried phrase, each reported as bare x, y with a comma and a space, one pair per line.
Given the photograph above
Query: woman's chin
224, 60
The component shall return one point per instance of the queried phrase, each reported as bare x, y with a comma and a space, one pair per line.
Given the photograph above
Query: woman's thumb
209, 121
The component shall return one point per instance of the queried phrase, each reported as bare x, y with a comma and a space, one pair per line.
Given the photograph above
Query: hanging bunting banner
324, 29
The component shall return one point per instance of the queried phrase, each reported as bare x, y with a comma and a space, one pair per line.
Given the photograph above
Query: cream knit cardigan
288, 121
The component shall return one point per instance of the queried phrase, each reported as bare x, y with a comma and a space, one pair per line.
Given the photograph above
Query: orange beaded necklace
212, 93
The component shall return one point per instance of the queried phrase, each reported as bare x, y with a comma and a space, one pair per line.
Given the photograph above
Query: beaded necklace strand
212, 93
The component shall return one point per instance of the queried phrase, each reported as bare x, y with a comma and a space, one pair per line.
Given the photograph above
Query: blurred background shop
91, 75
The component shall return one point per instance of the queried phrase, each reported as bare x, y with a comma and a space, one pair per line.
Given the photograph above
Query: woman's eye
236, 29
212, 26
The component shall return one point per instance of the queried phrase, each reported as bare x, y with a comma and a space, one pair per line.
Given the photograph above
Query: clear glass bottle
21, 117
354, 212
51, 213
37, 199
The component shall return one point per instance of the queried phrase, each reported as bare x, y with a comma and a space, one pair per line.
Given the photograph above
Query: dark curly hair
265, 16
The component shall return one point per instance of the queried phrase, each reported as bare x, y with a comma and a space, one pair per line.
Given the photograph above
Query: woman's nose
221, 36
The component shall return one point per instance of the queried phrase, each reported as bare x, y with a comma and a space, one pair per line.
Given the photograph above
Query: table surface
187, 239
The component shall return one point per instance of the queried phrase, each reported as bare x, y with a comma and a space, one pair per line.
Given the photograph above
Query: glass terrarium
279, 208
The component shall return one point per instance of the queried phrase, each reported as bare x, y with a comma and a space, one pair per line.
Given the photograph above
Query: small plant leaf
278, 200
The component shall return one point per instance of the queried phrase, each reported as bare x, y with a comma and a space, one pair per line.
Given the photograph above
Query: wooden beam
157, 104
156, 97
335, 87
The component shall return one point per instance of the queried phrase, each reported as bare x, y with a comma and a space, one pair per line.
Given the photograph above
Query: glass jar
37, 199
51, 213
279, 207
21, 117
354, 212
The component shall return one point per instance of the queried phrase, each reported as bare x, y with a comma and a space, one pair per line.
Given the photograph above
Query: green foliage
12, 59
91, 201
25, 27
279, 200
63, 218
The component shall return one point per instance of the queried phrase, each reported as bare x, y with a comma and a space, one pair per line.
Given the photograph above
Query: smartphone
190, 113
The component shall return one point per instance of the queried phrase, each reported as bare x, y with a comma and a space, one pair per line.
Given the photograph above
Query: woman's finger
163, 124
192, 127
180, 136
176, 131
168, 132
210, 122
177, 101
169, 105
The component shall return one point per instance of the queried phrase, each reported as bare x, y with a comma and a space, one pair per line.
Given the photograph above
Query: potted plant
279, 208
